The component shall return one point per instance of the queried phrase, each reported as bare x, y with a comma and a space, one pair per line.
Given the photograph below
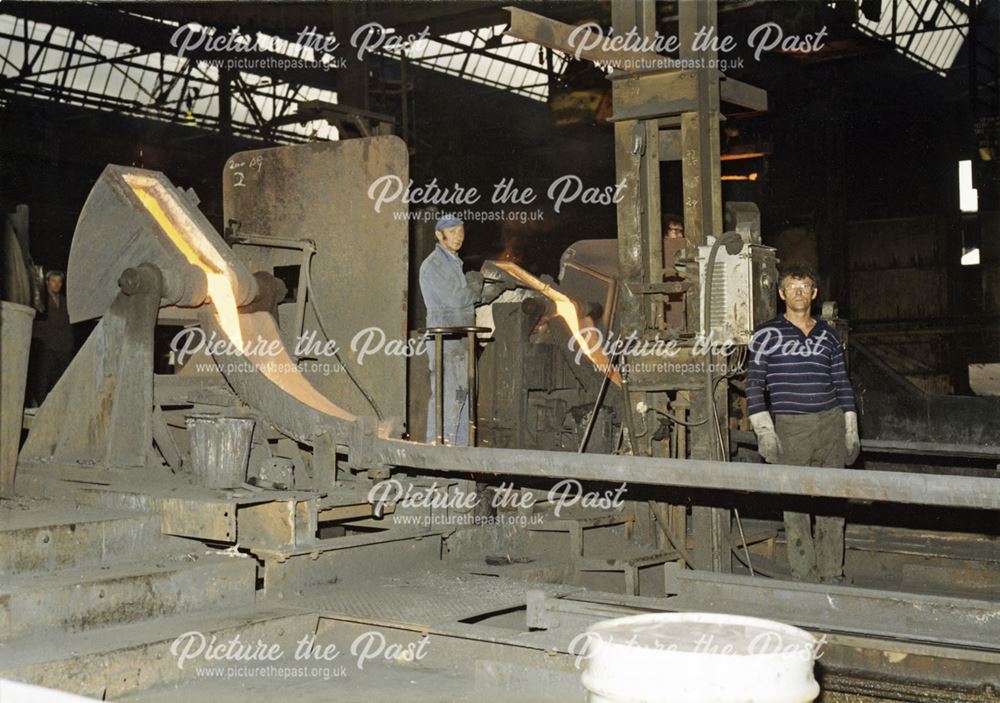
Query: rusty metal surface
426, 598
116, 232
405, 604
17, 282
273, 386
962, 622
580, 325
588, 272
15, 328
900, 669
556, 35
360, 269
202, 519
109, 386
78, 600
885, 486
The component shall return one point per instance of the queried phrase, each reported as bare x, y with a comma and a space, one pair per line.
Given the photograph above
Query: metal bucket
15, 343
220, 449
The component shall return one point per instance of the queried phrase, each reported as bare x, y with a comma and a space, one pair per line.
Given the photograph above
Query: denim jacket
448, 298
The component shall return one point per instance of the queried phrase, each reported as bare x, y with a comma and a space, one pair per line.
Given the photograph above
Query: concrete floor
98, 601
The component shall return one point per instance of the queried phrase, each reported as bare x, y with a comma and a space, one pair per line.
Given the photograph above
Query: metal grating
720, 296
428, 599
432, 598
403, 605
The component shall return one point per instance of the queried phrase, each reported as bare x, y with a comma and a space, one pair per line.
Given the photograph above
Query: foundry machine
131, 424
136, 423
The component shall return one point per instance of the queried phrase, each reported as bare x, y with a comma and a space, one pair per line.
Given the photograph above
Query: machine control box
744, 290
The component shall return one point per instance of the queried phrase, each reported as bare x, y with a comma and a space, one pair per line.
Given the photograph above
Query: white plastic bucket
17, 692
698, 658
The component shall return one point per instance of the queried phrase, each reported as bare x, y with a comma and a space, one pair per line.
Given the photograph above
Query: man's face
798, 293
675, 230
451, 238
54, 284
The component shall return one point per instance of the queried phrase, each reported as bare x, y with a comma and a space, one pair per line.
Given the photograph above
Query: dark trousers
51, 365
456, 394
815, 439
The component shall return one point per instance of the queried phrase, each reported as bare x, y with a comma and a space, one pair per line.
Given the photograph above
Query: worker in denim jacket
450, 297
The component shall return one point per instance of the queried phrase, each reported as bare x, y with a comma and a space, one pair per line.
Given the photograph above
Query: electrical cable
743, 540
686, 423
671, 418
629, 418
336, 351
758, 571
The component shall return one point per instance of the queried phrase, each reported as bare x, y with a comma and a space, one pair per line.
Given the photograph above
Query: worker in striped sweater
797, 361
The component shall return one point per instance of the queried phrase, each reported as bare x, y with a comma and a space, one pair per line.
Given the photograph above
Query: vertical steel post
439, 384
471, 365
701, 175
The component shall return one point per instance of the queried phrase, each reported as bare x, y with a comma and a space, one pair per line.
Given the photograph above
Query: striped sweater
801, 374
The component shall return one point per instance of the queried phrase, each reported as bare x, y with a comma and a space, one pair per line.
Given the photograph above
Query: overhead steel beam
878, 486
658, 95
468, 50
645, 96
108, 22
556, 35
318, 109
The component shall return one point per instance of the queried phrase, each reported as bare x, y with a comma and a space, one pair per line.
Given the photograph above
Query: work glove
474, 280
851, 436
491, 291
497, 276
768, 444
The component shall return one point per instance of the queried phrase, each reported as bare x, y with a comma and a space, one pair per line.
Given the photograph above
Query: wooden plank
626, 561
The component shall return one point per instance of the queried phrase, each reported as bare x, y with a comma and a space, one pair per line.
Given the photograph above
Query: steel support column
637, 164
702, 198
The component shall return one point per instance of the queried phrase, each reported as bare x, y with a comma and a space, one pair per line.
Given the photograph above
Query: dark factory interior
528, 351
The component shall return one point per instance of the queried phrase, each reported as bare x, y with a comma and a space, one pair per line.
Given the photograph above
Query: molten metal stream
566, 309
220, 289
279, 368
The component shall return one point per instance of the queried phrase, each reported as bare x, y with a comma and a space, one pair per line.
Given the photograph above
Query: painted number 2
239, 179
